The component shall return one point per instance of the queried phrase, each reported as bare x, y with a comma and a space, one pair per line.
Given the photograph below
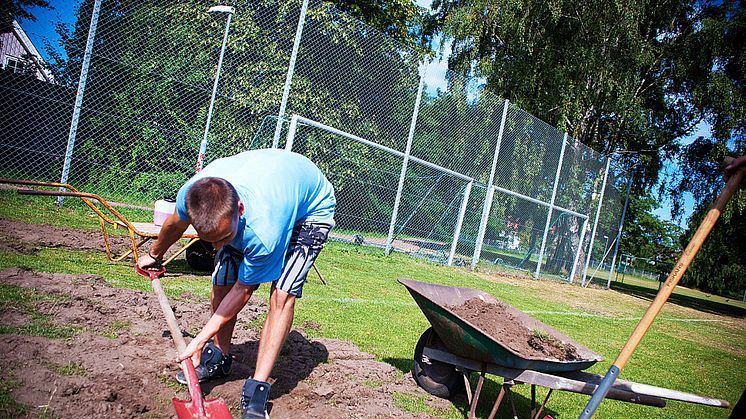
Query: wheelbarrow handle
666, 290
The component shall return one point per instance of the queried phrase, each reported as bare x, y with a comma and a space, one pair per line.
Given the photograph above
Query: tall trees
623, 76
717, 90
600, 70
399, 19
151, 76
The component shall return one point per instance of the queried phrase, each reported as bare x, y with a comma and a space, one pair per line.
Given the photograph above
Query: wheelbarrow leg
318, 272
467, 384
497, 402
512, 403
533, 400
541, 408
180, 251
475, 401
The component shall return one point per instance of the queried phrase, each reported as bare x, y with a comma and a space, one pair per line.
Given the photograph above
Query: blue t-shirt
278, 189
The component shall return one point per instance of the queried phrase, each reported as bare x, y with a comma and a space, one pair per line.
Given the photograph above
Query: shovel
198, 407
665, 291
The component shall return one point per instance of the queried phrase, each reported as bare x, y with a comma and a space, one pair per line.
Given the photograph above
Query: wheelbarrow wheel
437, 378
201, 256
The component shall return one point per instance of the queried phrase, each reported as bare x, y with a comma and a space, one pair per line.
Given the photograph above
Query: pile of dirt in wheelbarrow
498, 322
73, 346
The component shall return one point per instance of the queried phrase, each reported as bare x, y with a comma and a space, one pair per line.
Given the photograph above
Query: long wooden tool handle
186, 365
173, 326
673, 278
678, 270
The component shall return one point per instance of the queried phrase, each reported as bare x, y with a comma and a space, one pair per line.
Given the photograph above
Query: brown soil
119, 363
498, 322
28, 238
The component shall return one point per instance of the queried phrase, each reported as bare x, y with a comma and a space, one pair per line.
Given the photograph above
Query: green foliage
711, 70
157, 185
154, 62
45, 125
648, 236
399, 19
591, 68
720, 265
621, 76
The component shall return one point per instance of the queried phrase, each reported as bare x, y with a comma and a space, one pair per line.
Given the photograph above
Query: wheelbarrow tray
466, 340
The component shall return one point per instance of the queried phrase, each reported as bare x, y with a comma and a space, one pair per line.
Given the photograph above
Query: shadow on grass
181, 266
488, 396
699, 304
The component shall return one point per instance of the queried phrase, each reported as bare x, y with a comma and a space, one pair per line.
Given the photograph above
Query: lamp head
222, 8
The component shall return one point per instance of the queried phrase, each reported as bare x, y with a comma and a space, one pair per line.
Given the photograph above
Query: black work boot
254, 399
213, 364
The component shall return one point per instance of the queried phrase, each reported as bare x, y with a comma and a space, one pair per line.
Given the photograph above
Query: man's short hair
208, 201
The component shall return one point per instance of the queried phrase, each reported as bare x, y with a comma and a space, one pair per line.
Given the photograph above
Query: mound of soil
77, 347
497, 321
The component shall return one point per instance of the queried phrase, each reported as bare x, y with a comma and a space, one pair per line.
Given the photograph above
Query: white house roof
28, 48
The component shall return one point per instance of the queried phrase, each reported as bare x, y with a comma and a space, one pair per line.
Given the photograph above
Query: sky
64, 10
43, 28
671, 168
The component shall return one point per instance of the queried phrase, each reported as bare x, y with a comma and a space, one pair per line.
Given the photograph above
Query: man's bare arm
172, 230
233, 302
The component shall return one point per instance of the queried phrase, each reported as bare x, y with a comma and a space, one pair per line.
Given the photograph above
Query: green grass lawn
694, 346
683, 295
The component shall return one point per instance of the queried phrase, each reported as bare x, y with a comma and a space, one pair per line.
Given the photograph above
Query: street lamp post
203, 145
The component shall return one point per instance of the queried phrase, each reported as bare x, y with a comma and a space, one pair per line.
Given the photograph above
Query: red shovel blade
198, 407
214, 408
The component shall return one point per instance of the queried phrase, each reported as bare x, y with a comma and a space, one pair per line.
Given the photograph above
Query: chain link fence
454, 175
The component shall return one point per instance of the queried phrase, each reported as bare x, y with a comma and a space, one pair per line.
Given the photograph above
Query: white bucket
164, 208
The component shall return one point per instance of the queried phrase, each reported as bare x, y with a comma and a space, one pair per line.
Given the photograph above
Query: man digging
268, 214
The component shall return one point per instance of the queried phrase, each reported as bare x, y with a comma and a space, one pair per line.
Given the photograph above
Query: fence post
551, 206
291, 133
203, 145
595, 222
403, 174
577, 252
79, 96
289, 76
490, 191
619, 233
460, 222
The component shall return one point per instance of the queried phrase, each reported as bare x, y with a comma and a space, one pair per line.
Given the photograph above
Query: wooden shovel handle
681, 266
667, 288
195, 392
168, 313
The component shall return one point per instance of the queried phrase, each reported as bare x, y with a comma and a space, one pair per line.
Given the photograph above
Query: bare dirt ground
119, 363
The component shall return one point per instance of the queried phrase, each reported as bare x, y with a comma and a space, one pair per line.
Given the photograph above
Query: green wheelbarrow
453, 348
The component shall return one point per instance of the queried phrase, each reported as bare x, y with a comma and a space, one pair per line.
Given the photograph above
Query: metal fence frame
292, 131
490, 185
